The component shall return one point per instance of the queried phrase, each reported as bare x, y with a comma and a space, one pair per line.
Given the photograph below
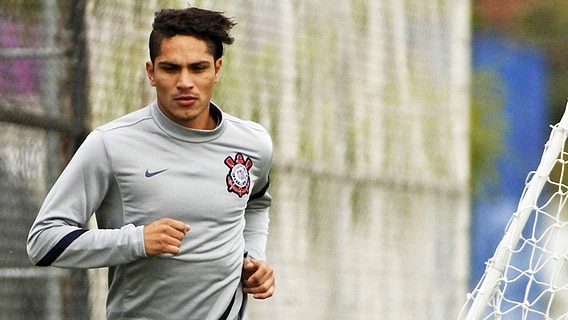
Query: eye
199, 69
170, 69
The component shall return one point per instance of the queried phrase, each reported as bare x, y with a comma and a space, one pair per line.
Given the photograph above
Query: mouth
186, 99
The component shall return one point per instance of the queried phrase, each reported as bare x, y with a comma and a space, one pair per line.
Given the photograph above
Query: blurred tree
487, 127
545, 23
540, 22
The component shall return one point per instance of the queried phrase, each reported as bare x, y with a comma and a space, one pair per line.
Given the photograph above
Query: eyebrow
191, 65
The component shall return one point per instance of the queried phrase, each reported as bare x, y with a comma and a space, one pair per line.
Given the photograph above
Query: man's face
184, 75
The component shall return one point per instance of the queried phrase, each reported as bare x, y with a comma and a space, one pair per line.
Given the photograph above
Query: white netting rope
527, 278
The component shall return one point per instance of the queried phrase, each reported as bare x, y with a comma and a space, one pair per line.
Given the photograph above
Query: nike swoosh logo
150, 174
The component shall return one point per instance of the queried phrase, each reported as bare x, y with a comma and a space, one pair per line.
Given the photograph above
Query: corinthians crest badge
238, 178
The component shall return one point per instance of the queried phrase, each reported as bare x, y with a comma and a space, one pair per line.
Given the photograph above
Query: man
179, 190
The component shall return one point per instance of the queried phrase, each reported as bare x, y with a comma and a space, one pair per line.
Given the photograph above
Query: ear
150, 73
218, 65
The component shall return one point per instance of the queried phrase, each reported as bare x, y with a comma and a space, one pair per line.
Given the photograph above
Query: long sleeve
256, 232
59, 237
141, 168
256, 213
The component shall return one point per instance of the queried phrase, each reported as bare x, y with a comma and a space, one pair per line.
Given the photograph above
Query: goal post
524, 278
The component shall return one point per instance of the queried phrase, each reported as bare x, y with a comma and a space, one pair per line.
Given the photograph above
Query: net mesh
527, 278
367, 104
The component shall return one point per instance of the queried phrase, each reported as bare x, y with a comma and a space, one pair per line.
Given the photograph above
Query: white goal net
527, 278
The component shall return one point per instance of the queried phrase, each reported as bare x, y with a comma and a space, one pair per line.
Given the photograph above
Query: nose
185, 80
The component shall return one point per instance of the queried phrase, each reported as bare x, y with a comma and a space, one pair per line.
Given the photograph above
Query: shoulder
254, 129
251, 136
126, 121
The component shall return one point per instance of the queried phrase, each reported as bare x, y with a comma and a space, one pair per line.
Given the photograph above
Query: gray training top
143, 167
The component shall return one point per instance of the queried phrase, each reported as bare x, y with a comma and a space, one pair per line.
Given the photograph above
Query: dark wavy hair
210, 26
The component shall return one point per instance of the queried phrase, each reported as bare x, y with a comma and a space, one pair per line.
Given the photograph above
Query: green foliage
542, 23
28, 13
22, 8
487, 130
360, 198
545, 20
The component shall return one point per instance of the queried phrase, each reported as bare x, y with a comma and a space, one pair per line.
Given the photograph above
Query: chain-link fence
41, 124
367, 103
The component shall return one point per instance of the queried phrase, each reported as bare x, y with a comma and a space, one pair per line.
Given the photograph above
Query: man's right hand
164, 236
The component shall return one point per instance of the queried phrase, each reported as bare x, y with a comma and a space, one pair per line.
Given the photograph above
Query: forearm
71, 247
58, 237
256, 232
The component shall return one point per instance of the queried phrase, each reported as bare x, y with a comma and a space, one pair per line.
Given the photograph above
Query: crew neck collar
187, 134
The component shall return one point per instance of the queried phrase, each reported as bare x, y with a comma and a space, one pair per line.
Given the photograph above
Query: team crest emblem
238, 178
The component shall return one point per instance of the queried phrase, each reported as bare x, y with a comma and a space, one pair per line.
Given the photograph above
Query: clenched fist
164, 236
